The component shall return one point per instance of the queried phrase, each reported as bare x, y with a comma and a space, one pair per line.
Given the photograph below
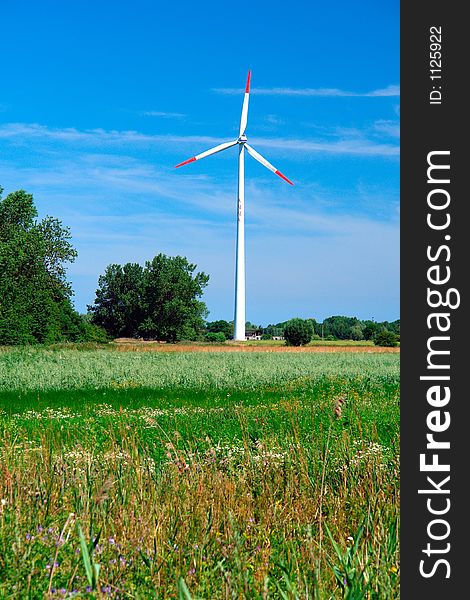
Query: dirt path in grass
126, 344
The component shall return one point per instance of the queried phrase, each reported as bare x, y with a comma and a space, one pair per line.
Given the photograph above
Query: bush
298, 332
266, 336
220, 326
94, 333
215, 337
386, 338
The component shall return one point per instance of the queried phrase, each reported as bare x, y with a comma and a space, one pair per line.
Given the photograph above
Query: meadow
189, 474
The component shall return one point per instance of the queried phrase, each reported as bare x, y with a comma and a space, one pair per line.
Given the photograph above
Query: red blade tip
186, 162
247, 89
283, 177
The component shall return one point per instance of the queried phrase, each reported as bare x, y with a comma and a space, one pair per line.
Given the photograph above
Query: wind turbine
239, 322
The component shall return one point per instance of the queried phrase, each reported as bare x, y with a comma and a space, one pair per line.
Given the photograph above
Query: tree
369, 329
356, 332
119, 303
35, 297
386, 338
275, 330
249, 325
158, 301
394, 326
298, 332
341, 327
220, 327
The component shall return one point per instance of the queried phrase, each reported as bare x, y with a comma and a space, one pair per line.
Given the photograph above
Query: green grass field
199, 474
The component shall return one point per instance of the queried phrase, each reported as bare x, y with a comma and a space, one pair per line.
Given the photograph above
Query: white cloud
390, 128
101, 137
93, 136
358, 146
162, 114
274, 120
391, 90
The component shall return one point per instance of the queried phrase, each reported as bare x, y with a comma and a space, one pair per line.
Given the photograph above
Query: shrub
94, 333
215, 336
225, 327
386, 338
298, 332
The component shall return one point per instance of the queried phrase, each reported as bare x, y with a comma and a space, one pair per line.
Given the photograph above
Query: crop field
199, 474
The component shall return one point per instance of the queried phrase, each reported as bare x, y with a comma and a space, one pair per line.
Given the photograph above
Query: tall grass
212, 488
40, 369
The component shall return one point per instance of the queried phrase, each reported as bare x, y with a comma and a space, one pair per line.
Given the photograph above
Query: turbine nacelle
242, 139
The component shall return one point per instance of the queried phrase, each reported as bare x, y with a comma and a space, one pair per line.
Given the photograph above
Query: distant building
253, 334
278, 337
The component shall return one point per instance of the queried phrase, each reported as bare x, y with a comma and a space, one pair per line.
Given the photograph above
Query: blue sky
99, 101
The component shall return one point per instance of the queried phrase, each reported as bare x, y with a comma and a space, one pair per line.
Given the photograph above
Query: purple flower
191, 571
111, 540
28, 536
88, 589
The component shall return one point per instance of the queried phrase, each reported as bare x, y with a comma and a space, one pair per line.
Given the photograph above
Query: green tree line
342, 328
159, 300
332, 328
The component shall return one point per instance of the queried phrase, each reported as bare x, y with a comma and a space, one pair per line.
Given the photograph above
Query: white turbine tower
239, 324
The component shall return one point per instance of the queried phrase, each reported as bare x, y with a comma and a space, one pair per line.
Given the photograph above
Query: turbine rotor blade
252, 152
213, 150
246, 99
